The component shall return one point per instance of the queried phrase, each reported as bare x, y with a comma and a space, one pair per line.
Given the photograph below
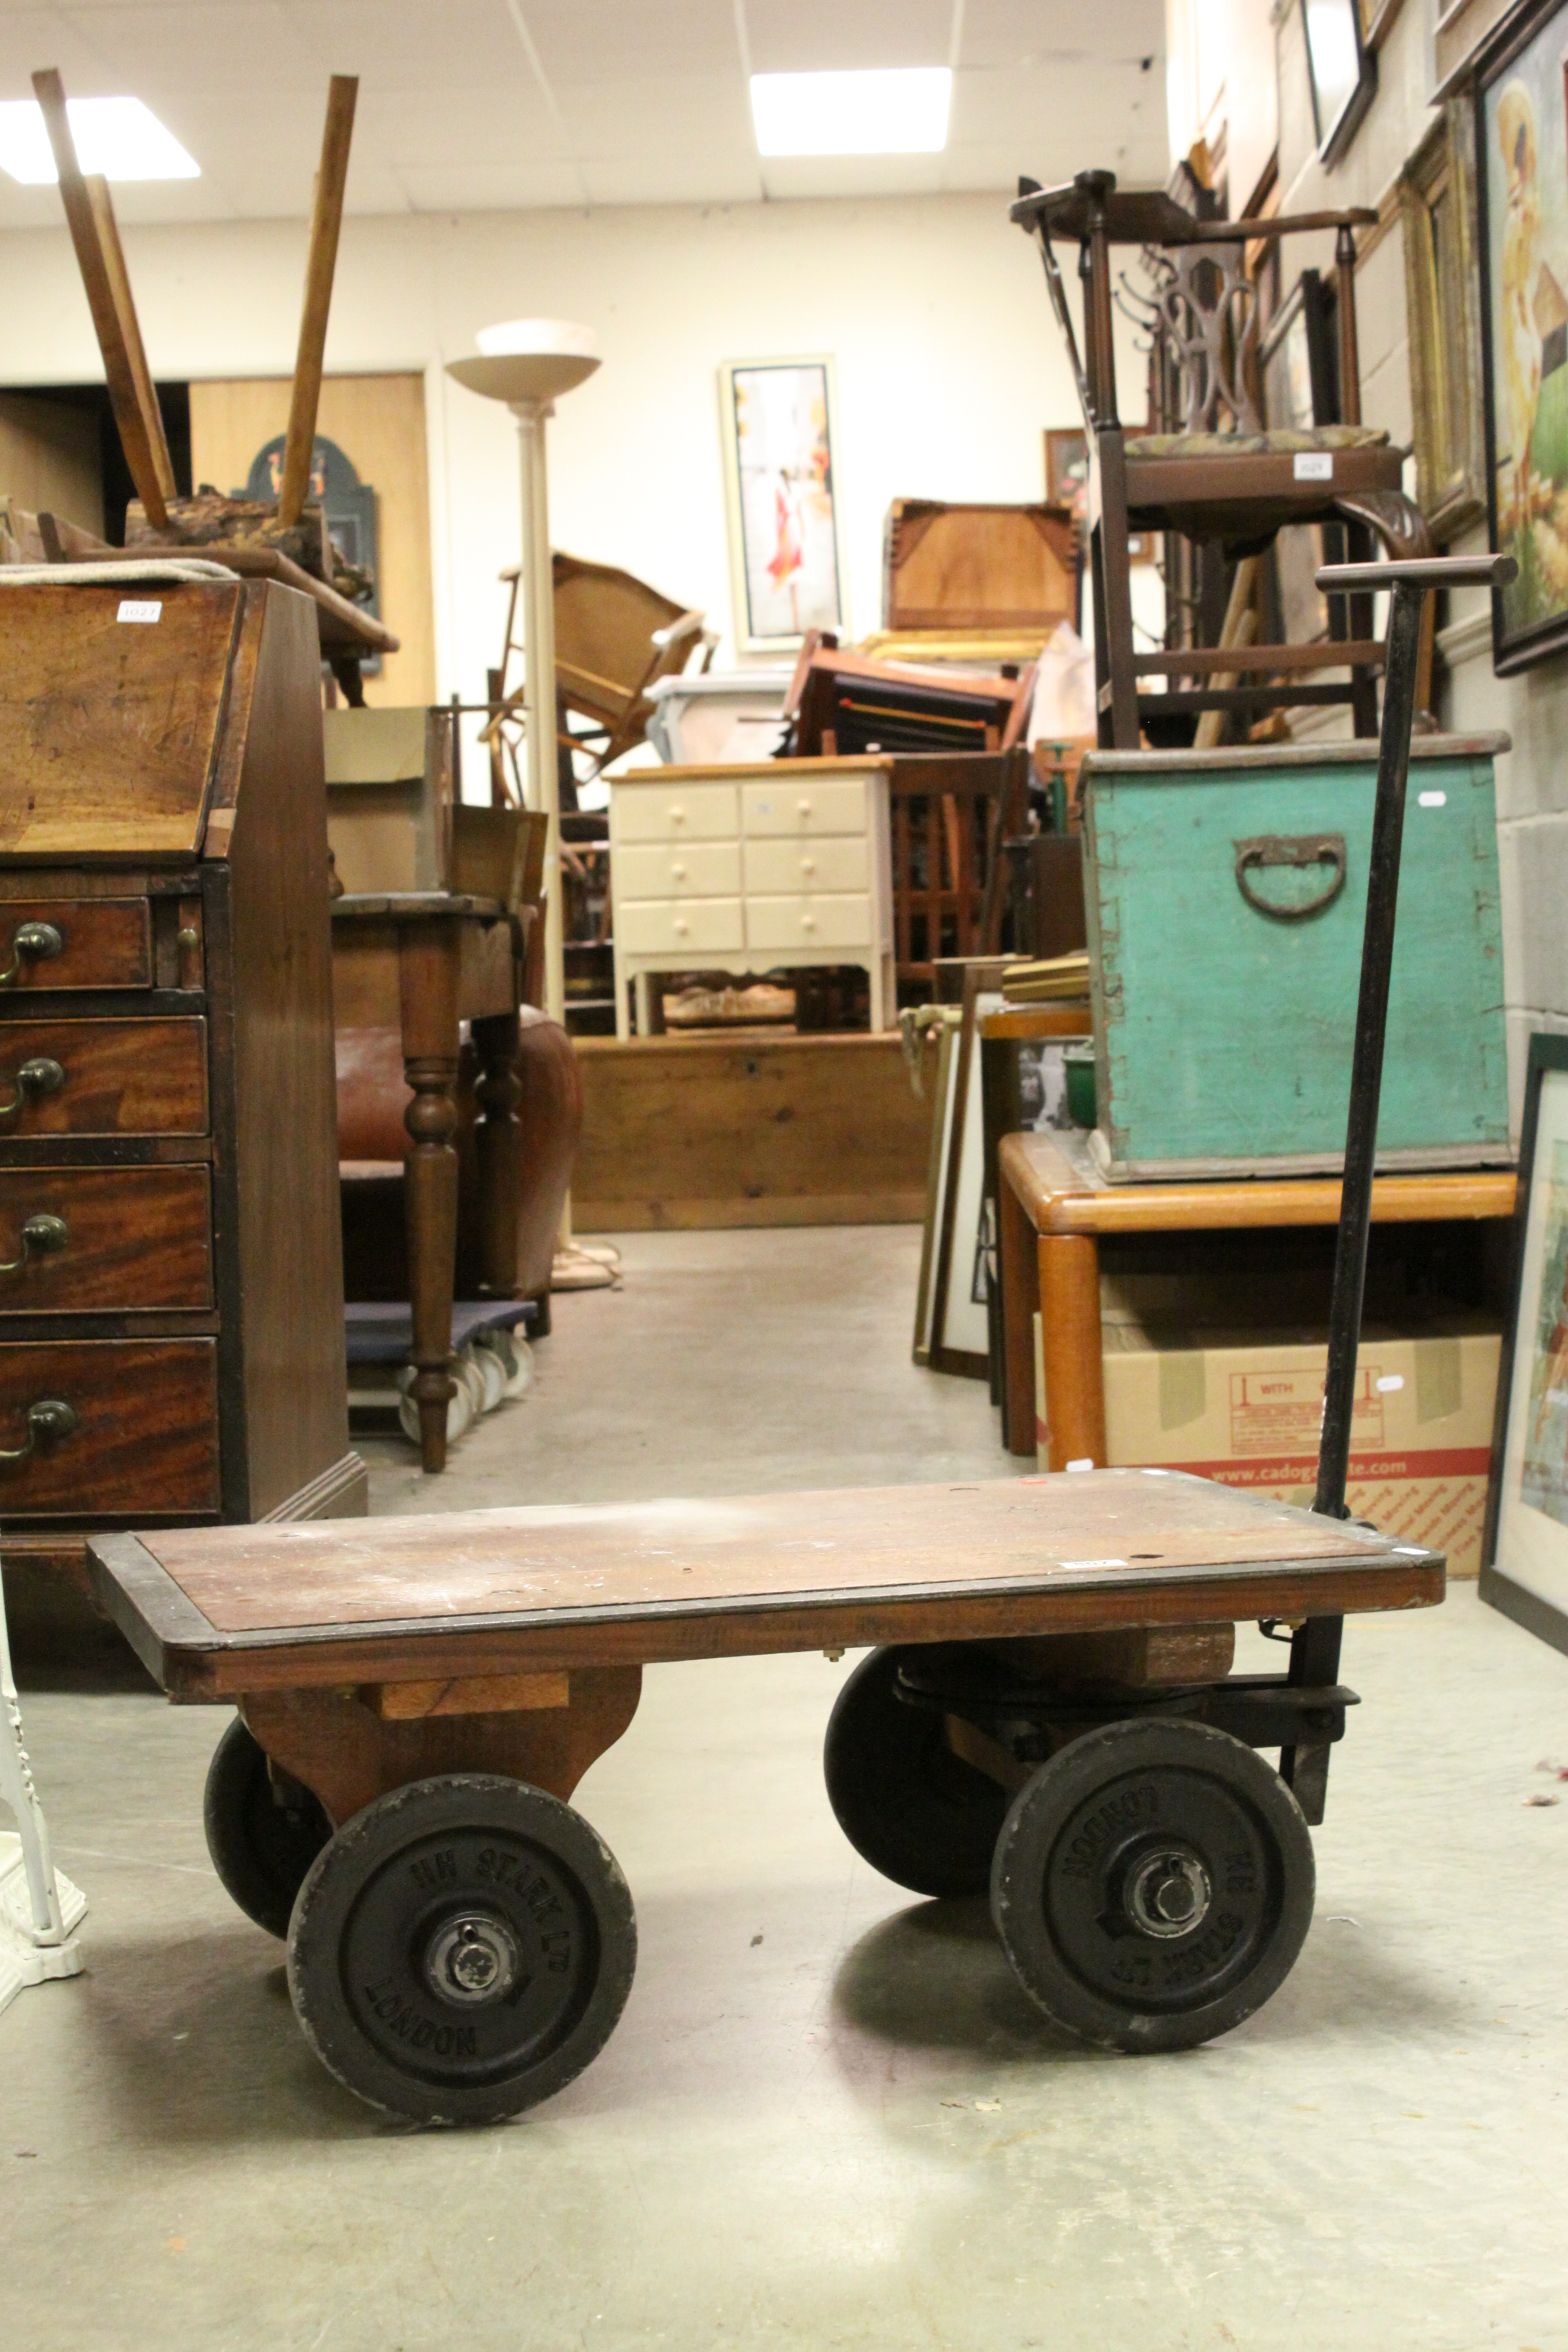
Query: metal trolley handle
1314, 1649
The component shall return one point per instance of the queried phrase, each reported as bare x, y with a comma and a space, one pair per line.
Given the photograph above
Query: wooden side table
1055, 1205
428, 960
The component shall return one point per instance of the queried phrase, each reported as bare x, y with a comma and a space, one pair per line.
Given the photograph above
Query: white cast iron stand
39, 1910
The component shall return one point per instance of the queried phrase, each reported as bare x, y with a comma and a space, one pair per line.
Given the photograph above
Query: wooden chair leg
427, 958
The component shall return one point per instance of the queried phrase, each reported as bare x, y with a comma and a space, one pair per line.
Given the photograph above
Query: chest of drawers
171, 1342
762, 866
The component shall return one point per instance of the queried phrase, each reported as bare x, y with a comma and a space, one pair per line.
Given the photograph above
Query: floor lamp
530, 363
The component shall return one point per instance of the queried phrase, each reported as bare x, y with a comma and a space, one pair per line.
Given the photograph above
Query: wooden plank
497, 1592
1061, 1191
687, 1132
471, 1694
134, 426
326, 222
108, 228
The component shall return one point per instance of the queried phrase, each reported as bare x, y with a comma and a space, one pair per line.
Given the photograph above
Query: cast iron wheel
1153, 1884
262, 1834
461, 1949
906, 1803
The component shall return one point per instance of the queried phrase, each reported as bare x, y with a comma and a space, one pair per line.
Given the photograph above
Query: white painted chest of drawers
760, 867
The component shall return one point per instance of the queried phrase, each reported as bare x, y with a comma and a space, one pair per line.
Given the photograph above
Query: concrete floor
828, 2118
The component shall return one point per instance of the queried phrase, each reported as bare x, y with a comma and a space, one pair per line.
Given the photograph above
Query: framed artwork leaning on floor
1525, 1554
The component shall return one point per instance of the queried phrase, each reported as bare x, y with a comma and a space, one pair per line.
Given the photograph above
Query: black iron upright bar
1314, 1649
1366, 1074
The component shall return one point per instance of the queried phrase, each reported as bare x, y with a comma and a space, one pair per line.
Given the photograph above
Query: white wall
948, 365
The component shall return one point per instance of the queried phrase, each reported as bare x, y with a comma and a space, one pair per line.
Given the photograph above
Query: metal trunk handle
1262, 851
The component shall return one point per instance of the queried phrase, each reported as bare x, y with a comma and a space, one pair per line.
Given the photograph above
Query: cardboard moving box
1245, 1407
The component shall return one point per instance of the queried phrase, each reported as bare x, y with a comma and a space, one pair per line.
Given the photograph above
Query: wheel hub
472, 1957
1168, 1892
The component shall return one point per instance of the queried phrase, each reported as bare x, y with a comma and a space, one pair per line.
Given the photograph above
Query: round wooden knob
804, 807
808, 865
808, 922
681, 930
677, 815
678, 873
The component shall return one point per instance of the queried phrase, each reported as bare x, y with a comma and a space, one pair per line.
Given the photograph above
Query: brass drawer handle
35, 941
39, 1075
47, 1421
41, 1235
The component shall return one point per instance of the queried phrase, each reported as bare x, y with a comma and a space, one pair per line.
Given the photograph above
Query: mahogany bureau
171, 1332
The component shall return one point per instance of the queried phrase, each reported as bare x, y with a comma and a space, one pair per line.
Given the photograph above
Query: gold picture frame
1438, 215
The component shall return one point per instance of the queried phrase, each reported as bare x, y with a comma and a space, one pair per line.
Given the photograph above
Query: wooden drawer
793, 805
76, 1241
145, 1433
102, 1078
697, 869
686, 927
781, 923
810, 865
74, 943
673, 812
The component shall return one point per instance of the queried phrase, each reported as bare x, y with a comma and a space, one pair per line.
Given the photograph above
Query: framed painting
1442, 314
1525, 1571
786, 570
1522, 185
1342, 71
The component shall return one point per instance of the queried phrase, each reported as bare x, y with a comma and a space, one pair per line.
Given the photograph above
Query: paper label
1314, 465
136, 608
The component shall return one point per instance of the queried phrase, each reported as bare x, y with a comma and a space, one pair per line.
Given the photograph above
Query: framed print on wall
786, 572
1522, 186
1526, 1548
1442, 314
1342, 71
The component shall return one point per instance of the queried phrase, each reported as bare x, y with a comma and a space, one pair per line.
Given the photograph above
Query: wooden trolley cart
1049, 1712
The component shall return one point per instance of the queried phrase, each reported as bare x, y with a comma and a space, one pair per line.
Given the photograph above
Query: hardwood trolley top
216, 1611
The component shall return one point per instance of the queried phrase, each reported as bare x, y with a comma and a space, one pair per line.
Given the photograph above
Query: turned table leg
427, 971
1071, 1343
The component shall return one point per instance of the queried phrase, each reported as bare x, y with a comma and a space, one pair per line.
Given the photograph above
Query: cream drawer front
808, 865
682, 926
673, 812
827, 805
697, 869
782, 923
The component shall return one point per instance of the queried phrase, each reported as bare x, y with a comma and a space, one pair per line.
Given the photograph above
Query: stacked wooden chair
1215, 472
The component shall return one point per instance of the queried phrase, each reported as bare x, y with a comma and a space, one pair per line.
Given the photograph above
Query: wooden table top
214, 1611
1062, 1191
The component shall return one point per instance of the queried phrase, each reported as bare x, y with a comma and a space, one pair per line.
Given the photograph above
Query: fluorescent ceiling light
897, 110
119, 137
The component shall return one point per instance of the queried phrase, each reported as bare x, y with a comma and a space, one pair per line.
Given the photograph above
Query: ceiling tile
429, 45
32, 38
608, 40
232, 47
1008, 32
824, 36
491, 187
689, 179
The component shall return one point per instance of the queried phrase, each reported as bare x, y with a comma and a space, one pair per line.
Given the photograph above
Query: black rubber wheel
906, 1803
1153, 1885
263, 1835
461, 1949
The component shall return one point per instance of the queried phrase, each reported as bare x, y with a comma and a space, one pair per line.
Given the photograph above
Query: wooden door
379, 423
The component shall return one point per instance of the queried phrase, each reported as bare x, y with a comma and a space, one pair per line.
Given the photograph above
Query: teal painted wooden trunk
1226, 895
